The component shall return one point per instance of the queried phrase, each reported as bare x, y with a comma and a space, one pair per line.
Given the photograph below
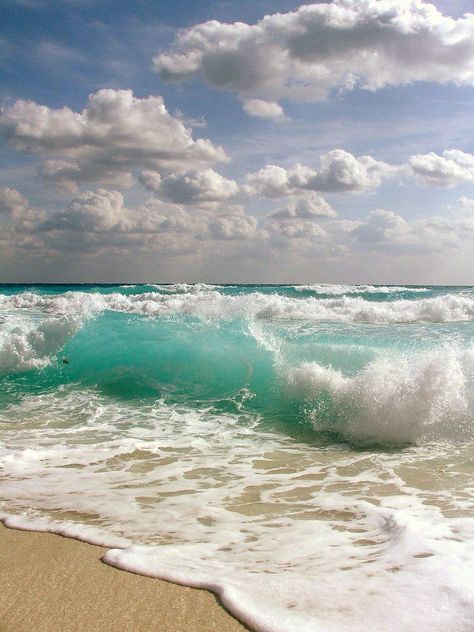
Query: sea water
305, 452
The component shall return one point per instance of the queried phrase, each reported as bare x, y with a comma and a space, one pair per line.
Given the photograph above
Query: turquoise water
247, 437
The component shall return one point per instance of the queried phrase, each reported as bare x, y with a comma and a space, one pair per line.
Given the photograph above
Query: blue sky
331, 143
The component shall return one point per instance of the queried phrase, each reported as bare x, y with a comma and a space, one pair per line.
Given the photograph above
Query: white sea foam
182, 288
211, 304
35, 327
26, 343
289, 536
329, 289
395, 398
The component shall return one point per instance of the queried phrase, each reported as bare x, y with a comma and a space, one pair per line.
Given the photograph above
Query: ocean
305, 452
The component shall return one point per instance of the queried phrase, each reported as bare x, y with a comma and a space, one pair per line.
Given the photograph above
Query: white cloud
305, 54
269, 182
389, 232
453, 167
104, 211
98, 224
12, 202
262, 109
100, 219
339, 171
114, 135
385, 226
91, 211
299, 219
307, 208
230, 227
202, 188
295, 229
16, 209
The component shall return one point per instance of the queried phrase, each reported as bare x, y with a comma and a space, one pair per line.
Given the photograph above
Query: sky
253, 141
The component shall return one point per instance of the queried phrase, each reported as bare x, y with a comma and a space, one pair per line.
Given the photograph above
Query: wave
395, 399
26, 345
333, 289
209, 304
182, 288
362, 395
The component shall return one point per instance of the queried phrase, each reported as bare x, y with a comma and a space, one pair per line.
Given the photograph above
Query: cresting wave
394, 399
363, 387
26, 344
323, 289
214, 305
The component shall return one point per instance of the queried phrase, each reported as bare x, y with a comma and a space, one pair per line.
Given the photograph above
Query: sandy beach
51, 583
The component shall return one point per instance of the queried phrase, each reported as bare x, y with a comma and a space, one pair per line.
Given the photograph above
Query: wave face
248, 439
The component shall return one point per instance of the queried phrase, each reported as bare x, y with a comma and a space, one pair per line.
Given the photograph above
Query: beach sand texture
52, 584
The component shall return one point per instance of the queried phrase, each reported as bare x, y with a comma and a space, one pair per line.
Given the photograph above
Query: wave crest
212, 305
25, 346
393, 400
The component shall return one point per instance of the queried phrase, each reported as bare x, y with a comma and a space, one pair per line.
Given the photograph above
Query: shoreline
51, 583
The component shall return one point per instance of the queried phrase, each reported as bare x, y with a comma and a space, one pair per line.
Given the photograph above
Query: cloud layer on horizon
99, 221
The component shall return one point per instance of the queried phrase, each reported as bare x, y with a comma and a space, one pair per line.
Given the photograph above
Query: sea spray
394, 399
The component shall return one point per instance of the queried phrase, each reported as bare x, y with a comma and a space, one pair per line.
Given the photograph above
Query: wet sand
51, 584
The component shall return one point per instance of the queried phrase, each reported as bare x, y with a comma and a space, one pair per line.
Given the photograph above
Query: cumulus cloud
12, 202
306, 54
384, 226
390, 232
115, 134
299, 220
269, 182
16, 209
104, 211
91, 211
99, 223
307, 208
231, 227
339, 171
295, 229
453, 167
100, 219
203, 188
262, 109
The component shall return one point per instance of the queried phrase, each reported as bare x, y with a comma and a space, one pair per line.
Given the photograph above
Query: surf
250, 440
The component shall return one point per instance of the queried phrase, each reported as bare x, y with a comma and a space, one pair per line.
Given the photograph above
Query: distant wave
213, 305
330, 289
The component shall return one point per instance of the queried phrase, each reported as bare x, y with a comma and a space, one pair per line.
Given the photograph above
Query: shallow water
304, 451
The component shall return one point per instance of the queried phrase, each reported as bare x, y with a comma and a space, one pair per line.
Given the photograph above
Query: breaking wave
26, 345
215, 305
395, 399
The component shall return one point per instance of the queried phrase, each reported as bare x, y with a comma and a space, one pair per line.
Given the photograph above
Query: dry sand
55, 584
